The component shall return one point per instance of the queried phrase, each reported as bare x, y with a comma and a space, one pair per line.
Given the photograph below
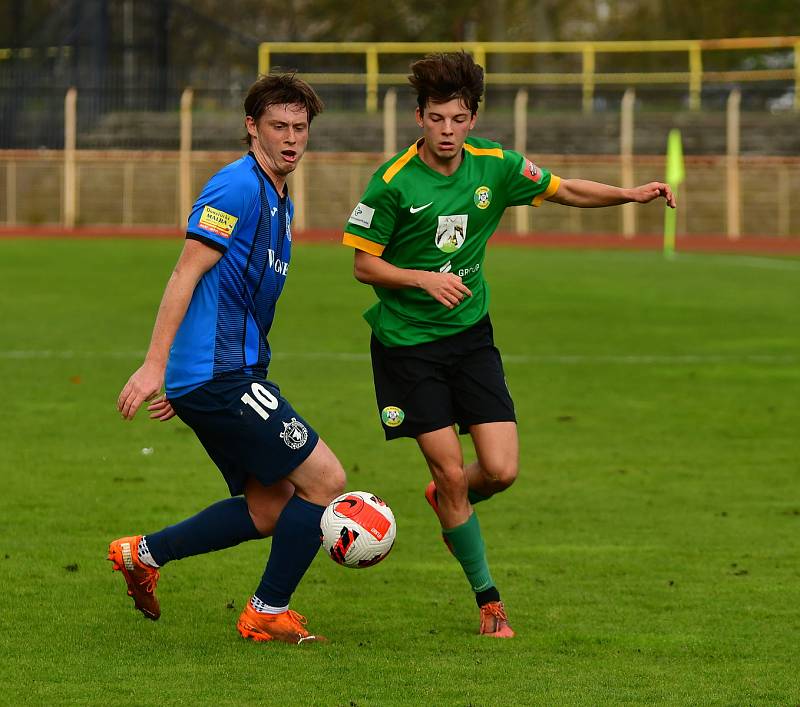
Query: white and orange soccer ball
358, 529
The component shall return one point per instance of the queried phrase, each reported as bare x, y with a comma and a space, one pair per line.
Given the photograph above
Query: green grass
649, 553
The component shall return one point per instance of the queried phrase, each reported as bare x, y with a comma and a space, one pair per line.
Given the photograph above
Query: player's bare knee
335, 481
328, 483
451, 481
500, 475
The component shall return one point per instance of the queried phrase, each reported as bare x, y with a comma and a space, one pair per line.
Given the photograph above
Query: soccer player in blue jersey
209, 345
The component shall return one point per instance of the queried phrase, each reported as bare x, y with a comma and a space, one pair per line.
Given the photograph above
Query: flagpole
675, 174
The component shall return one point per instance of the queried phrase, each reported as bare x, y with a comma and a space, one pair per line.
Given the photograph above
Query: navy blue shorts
248, 429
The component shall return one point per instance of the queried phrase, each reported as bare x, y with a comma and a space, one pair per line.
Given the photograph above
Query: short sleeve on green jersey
528, 183
372, 221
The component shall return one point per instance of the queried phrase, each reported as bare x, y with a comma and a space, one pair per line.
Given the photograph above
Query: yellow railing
588, 77
6, 53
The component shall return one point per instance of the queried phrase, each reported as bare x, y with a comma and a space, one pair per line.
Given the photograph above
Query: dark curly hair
280, 89
444, 76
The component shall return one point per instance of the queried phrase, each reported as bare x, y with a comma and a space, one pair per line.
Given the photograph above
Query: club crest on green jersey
392, 416
482, 197
451, 232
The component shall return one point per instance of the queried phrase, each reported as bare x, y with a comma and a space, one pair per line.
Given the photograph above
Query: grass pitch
649, 553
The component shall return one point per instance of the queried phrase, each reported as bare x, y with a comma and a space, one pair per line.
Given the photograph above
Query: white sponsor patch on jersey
362, 215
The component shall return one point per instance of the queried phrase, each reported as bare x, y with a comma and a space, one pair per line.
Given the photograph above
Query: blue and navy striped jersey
240, 213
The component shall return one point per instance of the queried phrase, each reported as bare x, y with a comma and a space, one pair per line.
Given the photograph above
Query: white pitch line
45, 353
743, 260
567, 359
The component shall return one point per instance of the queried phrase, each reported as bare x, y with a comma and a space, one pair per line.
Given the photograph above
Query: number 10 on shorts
261, 400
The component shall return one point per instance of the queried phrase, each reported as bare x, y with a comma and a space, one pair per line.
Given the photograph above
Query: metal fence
143, 189
693, 64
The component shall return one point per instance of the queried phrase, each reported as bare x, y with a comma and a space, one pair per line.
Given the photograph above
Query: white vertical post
733, 179
70, 136
11, 193
390, 123
300, 222
521, 214
575, 220
185, 158
354, 182
521, 120
626, 159
784, 201
127, 193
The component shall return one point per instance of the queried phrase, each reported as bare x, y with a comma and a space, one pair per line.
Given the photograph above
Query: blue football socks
225, 524
294, 544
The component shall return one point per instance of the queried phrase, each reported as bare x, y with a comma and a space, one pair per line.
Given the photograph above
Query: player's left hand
647, 192
161, 409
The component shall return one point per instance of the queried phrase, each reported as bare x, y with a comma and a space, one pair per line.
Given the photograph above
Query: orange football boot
431, 498
140, 578
288, 626
494, 621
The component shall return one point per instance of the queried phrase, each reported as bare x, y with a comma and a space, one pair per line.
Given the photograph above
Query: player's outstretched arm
588, 194
146, 382
445, 288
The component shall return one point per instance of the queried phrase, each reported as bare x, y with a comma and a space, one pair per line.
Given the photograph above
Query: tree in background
223, 34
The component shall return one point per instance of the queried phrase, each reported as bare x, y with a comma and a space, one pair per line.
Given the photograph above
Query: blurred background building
131, 61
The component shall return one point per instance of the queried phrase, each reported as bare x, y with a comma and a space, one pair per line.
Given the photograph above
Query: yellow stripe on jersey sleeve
389, 174
484, 151
364, 244
552, 188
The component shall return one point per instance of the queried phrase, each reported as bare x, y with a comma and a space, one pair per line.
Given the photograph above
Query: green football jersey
417, 218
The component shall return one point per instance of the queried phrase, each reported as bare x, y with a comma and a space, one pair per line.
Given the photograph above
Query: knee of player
501, 474
338, 481
451, 480
331, 482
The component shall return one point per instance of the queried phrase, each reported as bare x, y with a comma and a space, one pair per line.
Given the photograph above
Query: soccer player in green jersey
419, 233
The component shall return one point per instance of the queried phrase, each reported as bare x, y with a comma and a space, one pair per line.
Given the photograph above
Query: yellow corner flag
676, 173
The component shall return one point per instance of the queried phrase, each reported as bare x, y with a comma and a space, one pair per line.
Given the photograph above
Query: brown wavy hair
443, 76
280, 89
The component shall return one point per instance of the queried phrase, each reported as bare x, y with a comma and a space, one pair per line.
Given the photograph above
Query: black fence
141, 111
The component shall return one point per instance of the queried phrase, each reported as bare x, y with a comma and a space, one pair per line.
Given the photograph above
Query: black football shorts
455, 380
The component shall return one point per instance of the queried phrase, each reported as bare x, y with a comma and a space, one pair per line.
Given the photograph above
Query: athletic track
706, 243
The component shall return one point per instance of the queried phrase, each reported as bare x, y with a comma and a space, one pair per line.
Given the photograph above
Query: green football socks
474, 497
467, 545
